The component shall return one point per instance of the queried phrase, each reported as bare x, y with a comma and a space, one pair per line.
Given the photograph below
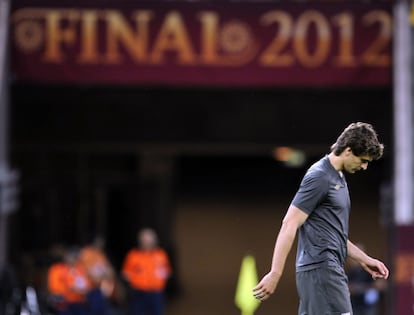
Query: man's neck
336, 161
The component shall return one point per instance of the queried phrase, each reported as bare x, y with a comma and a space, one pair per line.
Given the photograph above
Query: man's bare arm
293, 219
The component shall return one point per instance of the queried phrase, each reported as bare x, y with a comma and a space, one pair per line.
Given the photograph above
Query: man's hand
376, 268
266, 286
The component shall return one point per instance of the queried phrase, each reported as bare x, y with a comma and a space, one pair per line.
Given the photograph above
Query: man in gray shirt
320, 212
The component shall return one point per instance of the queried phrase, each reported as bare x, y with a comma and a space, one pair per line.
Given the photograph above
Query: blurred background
199, 119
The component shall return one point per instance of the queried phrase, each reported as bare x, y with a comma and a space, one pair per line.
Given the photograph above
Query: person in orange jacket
146, 269
101, 276
68, 280
56, 286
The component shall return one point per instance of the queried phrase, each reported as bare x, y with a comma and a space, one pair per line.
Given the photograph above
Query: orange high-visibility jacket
147, 270
70, 282
56, 279
99, 269
95, 262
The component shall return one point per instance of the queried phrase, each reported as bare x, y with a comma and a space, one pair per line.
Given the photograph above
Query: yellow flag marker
244, 299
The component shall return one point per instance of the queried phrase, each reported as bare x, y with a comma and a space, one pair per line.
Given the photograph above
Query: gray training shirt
323, 194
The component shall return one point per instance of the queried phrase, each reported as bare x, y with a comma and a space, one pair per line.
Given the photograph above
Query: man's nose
364, 166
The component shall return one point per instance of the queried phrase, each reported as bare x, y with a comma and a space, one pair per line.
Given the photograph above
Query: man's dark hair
361, 138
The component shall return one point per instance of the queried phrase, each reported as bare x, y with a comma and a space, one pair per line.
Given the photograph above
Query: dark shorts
323, 291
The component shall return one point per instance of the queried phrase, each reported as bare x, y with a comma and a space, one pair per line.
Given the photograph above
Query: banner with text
231, 44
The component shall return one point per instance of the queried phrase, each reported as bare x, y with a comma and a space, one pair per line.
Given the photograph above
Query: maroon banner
234, 44
404, 271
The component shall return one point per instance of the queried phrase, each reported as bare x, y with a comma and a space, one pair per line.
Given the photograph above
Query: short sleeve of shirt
312, 190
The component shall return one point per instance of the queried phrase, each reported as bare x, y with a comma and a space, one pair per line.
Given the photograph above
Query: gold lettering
173, 36
209, 31
89, 43
377, 54
323, 39
404, 268
56, 35
119, 32
345, 22
276, 53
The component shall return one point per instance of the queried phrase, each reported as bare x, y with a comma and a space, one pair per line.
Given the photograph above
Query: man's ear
348, 151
